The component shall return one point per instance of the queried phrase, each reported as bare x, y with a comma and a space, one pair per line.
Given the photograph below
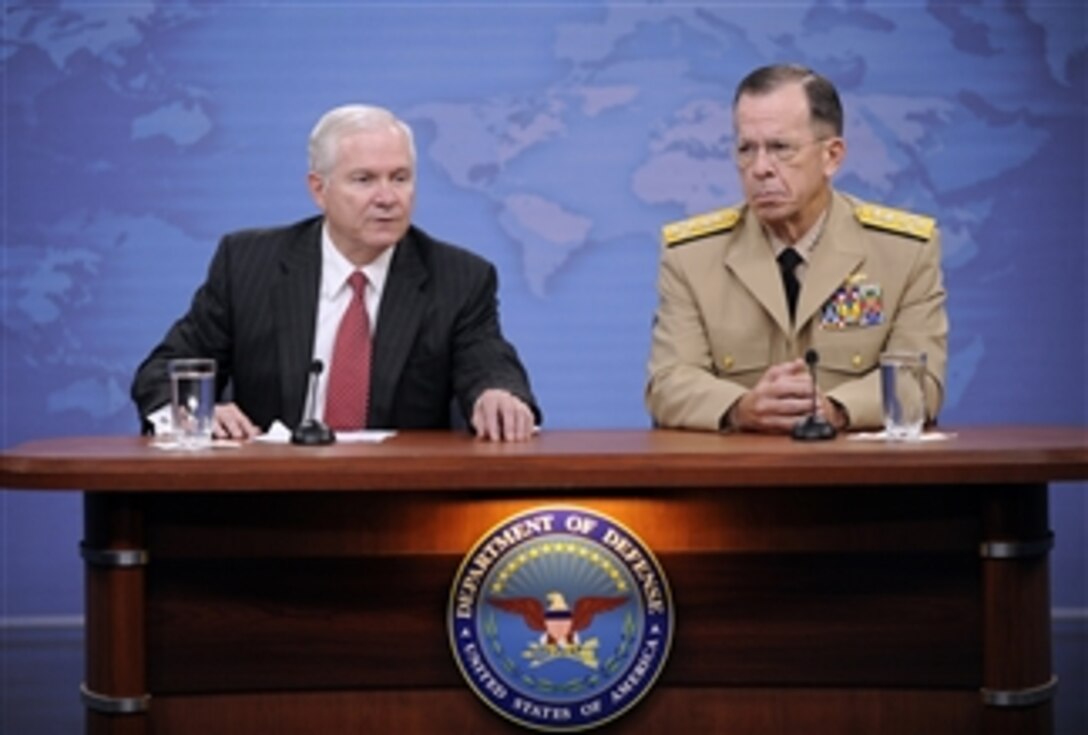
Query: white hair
341, 121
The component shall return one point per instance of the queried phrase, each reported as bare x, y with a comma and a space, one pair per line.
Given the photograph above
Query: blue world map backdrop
555, 139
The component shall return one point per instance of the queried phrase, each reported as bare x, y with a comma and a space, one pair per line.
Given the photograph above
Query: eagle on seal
558, 622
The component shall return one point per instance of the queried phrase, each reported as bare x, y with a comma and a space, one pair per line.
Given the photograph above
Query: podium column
115, 559
1018, 681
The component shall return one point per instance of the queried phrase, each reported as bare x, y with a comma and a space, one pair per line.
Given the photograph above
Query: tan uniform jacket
722, 320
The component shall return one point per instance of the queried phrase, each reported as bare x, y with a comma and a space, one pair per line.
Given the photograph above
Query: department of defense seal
560, 619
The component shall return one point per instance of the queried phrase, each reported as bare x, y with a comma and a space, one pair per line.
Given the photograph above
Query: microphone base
813, 429
312, 433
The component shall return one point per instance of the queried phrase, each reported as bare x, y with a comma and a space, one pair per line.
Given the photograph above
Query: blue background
555, 139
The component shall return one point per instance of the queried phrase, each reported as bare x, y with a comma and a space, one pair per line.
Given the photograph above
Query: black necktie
788, 260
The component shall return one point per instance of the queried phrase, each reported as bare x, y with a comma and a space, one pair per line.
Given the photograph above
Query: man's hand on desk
231, 423
499, 415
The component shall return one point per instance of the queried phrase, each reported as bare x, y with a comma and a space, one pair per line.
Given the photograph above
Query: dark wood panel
103, 724
873, 620
666, 711
864, 519
290, 624
827, 619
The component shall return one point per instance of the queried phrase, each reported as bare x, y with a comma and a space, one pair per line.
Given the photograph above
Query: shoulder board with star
896, 220
692, 228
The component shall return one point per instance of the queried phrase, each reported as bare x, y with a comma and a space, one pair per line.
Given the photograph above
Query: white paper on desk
279, 434
168, 443
366, 436
926, 436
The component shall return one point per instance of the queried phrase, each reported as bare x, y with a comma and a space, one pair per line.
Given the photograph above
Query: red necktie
349, 377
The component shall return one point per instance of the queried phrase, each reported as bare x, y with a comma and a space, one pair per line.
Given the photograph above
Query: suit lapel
835, 257
399, 319
294, 300
750, 261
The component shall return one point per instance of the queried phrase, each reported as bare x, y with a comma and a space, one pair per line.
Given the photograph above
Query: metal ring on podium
114, 705
113, 557
1021, 697
1016, 549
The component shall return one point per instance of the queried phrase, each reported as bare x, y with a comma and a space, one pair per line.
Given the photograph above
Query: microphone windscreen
316, 367
811, 357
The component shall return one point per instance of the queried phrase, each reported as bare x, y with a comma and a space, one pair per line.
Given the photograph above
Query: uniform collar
807, 242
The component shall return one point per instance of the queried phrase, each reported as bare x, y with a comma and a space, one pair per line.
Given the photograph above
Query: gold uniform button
856, 360
727, 362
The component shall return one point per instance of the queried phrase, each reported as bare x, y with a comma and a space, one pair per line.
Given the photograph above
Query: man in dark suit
274, 300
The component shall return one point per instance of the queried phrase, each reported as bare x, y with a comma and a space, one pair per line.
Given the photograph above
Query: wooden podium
838, 587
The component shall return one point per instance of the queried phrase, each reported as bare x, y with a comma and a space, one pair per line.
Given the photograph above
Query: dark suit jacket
438, 337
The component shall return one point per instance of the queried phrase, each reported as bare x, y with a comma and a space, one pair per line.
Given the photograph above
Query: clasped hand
781, 398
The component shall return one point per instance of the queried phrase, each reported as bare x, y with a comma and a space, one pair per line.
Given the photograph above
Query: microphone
814, 427
312, 432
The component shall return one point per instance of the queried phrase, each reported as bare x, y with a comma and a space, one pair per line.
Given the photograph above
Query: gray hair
341, 121
825, 107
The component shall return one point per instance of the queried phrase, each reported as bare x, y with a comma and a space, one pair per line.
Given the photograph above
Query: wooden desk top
555, 459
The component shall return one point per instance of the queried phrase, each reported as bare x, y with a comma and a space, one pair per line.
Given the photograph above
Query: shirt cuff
843, 412
160, 421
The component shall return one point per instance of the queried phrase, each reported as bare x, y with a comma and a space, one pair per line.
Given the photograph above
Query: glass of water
902, 385
192, 382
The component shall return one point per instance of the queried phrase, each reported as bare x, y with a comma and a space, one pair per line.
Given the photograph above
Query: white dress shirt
333, 300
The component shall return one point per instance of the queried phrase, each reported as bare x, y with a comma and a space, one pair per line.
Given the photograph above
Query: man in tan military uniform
726, 353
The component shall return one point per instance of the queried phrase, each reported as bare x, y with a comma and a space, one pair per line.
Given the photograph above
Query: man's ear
834, 155
316, 184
